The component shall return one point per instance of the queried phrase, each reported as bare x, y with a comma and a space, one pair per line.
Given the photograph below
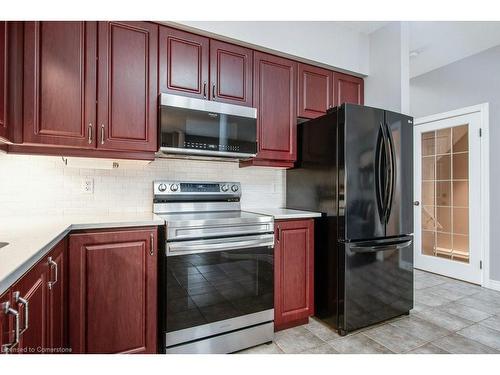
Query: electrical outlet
88, 185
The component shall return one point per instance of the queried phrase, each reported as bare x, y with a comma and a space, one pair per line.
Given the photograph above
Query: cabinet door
57, 302
3, 79
275, 99
183, 63
230, 73
294, 273
6, 335
315, 94
127, 110
348, 89
113, 289
33, 287
60, 83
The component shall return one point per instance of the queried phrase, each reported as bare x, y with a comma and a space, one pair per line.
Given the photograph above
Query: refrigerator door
399, 215
378, 281
362, 169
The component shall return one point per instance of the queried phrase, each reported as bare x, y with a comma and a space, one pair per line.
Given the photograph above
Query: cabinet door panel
294, 297
113, 282
230, 73
3, 79
57, 302
315, 93
274, 97
60, 83
183, 63
348, 89
33, 287
127, 86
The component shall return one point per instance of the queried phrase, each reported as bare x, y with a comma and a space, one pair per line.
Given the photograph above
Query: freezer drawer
378, 283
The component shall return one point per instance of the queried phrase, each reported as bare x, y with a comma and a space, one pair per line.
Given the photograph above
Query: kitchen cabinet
348, 89
3, 79
71, 66
230, 73
60, 83
39, 298
6, 321
127, 86
315, 91
183, 63
294, 272
113, 282
275, 98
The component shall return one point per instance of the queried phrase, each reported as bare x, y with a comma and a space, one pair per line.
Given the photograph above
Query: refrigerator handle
382, 188
370, 247
392, 171
388, 174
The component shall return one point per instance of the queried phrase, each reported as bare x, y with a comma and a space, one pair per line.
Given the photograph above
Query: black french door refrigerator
355, 165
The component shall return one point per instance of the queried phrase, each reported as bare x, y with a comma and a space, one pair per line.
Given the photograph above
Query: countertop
31, 238
284, 213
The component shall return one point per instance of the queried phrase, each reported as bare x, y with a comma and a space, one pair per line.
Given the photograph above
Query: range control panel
196, 188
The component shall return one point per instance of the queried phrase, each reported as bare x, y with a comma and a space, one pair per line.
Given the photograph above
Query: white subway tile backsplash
44, 185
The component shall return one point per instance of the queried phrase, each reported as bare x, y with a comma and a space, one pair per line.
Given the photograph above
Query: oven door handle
219, 244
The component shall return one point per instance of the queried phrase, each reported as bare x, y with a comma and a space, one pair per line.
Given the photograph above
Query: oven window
200, 130
208, 287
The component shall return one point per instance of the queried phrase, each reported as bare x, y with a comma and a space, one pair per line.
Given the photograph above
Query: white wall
387, 85
324, 42
470, 81
42, 185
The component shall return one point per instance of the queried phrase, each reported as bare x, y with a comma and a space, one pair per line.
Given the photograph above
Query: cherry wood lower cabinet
39, 297
293, 272
113, 283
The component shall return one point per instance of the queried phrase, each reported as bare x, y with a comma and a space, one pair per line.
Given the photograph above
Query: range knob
162, 187
235, 188
174, 187
224, 188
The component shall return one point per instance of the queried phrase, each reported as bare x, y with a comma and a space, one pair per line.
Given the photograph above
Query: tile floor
450, 316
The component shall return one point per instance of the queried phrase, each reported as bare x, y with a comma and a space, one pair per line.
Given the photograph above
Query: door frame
483, 110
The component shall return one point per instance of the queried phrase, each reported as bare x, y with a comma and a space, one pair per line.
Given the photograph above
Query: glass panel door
448, 190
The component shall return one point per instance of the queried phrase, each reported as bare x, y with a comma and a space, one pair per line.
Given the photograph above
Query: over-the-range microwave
191, 126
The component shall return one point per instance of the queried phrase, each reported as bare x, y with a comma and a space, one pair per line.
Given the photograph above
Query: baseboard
492, 284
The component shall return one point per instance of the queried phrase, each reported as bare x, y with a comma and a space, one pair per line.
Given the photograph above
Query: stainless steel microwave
191, 126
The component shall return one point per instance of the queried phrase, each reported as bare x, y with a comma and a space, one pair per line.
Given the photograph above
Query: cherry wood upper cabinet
294, 273
3, 79
33, 289
348, 89
60, 83
113, 282
230, 73
127, 81
275, 98
315, 92
183, 63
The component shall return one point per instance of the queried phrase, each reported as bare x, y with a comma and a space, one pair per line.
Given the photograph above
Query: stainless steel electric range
217, 272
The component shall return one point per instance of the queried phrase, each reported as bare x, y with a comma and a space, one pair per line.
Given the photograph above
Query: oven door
218, 285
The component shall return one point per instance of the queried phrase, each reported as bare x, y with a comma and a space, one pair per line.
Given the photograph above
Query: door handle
102, 134
24, 302
52, 264
205, 90
416, 203
151, 244
213, 91
90, 134
7, 310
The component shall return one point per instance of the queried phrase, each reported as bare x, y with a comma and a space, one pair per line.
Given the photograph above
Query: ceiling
366, 27
439, 43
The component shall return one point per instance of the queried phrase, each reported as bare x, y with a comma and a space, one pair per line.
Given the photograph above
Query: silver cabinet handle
213, 91
24, 302
102, 134
90, 133
151, 244
52, 264
205, 90
7, 310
